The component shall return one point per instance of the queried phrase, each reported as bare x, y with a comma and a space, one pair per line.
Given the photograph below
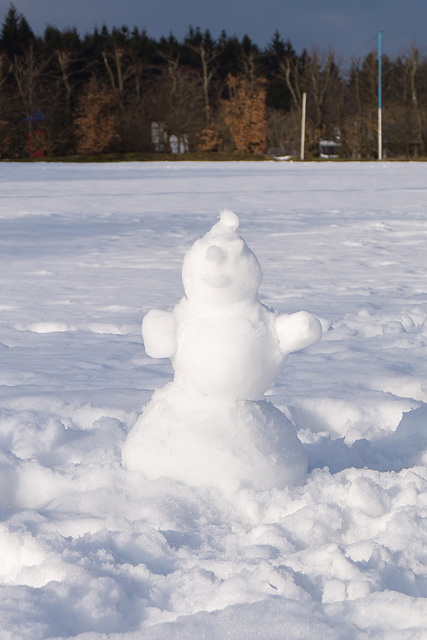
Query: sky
349, 27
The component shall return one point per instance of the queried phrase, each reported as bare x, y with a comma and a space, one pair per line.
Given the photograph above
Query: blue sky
349, 27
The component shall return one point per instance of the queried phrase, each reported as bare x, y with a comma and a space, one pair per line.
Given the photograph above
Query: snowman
211, 426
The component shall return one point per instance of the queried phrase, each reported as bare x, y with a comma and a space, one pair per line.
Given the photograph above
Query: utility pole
304, 101
380, 119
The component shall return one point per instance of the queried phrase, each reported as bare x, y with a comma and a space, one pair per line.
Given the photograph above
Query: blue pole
380, 133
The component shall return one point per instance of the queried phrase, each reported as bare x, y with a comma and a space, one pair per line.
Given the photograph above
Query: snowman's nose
215, 254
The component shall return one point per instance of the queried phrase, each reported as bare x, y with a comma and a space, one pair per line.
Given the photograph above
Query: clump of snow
208, 427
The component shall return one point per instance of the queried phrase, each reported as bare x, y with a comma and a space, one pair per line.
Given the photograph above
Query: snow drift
90, 551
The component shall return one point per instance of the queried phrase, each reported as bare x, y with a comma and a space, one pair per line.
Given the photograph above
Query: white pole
380, 115
304, 101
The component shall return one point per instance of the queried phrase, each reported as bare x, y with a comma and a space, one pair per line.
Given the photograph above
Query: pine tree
16, 34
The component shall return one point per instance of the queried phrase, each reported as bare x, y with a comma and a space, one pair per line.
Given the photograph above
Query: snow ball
220, 268
228, 219
159, 334
226, 356
298, 331
207, 441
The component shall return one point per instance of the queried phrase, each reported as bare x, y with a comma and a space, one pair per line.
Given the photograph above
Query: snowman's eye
239, 246
215, 254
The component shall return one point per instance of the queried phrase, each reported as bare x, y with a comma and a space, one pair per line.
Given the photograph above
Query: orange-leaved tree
245, 114
97, 122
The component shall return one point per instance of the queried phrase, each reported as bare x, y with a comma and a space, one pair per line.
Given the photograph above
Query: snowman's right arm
297, 331
159, 333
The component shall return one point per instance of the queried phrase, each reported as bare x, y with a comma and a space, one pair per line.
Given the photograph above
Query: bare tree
293, 78
320, 72
5, 71
360, 118
206, 58
6, 68
28, 71
175, 103
414, 119
64, 61
119, 69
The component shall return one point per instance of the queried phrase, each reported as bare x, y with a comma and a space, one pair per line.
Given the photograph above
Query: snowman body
210, 426
231, 354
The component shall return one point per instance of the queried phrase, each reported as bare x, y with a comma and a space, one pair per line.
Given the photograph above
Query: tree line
120, 90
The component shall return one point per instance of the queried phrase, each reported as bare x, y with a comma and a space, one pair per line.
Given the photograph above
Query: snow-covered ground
91, 550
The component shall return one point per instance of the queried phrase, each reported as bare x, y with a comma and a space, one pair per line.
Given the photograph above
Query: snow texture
92, 551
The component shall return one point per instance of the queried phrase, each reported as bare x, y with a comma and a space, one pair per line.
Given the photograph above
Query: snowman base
223, 443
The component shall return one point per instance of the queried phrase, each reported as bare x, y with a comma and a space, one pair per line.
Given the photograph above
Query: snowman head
220, 268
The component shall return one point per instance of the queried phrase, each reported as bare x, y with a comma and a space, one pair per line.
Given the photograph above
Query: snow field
90, 551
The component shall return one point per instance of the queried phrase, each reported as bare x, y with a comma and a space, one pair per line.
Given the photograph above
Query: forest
121, 91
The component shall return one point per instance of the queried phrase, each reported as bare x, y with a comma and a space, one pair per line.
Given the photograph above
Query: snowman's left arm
159, 333
297, 331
